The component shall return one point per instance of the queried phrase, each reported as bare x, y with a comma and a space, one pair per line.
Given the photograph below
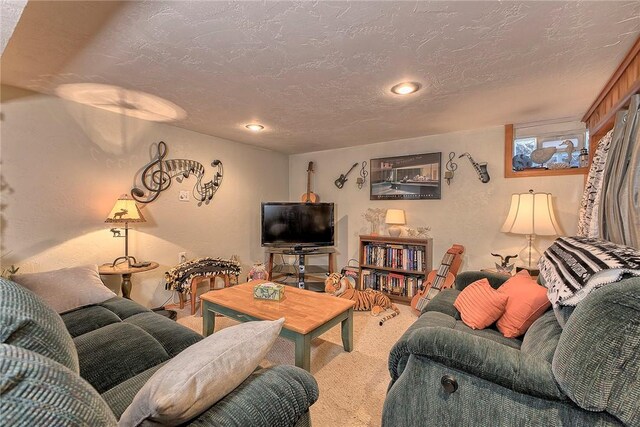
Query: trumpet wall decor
157, 175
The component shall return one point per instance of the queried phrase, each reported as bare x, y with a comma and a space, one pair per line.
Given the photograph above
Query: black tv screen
297, 224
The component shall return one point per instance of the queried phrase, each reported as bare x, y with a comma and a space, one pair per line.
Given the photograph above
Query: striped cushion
27, 322
480, 305
36, 391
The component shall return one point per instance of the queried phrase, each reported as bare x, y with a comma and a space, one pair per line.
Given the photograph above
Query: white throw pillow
68, 288
201, 375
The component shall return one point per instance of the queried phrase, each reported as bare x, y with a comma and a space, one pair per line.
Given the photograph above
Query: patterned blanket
574, 266
588, 220
179, 277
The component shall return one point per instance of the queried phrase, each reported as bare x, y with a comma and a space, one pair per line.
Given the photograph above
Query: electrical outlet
184, 195
182, 257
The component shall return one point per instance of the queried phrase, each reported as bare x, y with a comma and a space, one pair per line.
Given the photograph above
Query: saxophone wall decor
481, 168
158, 174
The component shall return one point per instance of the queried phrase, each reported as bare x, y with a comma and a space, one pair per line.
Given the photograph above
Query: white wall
470, 212
63, 165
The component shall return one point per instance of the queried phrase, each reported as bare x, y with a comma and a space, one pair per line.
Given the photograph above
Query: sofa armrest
597, 360
466, 278
276, 396
477, 356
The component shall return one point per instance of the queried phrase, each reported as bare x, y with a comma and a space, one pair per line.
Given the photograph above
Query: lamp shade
395, 216
125, 210
531, 213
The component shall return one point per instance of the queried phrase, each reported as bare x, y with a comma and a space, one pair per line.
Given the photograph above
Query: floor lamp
124, 211
531, 214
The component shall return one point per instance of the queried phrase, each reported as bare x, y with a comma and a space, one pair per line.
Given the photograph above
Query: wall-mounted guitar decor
343, 177
309, 196
481, 168
157, 175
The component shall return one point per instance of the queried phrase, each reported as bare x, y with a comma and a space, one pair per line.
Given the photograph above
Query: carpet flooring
352, 385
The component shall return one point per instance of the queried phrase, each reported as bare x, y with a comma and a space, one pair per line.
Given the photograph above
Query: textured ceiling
317, 74
10, 12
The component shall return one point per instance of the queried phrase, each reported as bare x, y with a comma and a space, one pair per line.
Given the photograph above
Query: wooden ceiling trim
622, 85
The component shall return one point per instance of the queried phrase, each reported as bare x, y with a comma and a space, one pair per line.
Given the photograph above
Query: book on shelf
400, 257
404, 285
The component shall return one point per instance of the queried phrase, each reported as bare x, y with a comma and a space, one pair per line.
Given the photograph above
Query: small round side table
125, 271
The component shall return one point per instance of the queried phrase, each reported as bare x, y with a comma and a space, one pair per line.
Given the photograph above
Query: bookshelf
397, 266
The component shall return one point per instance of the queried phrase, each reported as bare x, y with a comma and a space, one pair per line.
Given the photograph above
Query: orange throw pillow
480, 305
527, 301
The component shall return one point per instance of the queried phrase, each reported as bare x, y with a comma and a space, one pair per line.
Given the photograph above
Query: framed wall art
412, 177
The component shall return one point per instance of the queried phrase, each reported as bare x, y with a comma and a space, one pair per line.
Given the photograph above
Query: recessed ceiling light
405, 88
254, 127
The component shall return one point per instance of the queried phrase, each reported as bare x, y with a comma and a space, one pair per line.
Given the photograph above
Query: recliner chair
444, 373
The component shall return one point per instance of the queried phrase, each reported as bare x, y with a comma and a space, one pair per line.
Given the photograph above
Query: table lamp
531, 214
395, 217
124, 211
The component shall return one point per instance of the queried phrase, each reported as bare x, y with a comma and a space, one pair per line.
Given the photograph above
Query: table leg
270, 267
332, 263
303, 352
347, 331
208, 319
126, 285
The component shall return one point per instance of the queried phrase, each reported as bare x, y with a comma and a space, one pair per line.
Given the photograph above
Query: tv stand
301, 253
297, 250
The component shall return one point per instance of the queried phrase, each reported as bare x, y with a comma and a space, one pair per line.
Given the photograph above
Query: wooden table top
123, 268
303, 310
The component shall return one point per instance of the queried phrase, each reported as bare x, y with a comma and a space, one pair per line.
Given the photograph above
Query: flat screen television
297, 224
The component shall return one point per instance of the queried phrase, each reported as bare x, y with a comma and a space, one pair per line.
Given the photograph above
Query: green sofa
85, 366
585, 374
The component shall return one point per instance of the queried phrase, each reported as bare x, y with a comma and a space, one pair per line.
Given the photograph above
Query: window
546, 149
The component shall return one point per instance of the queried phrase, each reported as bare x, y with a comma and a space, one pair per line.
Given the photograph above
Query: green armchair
444, 373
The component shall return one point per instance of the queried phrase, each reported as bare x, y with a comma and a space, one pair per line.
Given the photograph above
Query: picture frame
409, 177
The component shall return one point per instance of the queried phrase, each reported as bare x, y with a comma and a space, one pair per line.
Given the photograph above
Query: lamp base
529, 255
395, 231
126, 259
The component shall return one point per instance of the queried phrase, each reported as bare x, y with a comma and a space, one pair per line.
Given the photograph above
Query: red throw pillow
480, 305
527, 301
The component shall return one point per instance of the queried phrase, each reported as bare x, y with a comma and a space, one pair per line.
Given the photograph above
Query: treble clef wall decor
363, 175
451, 168
157, 175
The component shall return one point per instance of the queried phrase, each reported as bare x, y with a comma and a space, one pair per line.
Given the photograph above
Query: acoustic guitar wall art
309, 196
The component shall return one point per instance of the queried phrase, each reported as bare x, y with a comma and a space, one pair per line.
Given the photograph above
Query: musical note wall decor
451, 168
157, 175
363, 175
481, 168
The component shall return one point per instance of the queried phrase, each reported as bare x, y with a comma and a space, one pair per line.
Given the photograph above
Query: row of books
392, 283
394, 256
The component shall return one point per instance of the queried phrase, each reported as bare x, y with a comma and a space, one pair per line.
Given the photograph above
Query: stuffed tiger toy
367, 300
